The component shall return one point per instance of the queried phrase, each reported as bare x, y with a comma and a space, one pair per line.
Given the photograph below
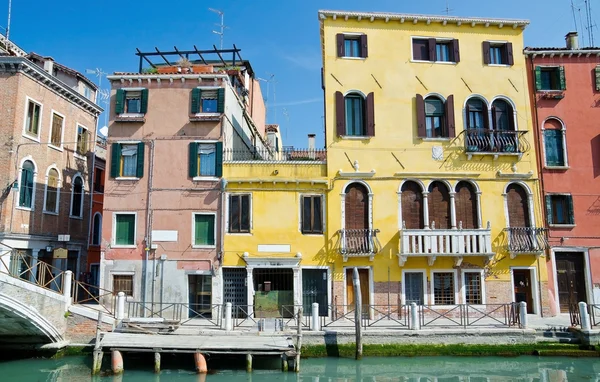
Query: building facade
48, 130
95, 237
564, 87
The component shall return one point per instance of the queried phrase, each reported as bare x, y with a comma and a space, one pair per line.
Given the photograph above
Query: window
33, 119
443, 51
502, 116
498, 53
436, 50
77, 197
355, 115
26, 186
559, 209
51, 199
239, 213
208, 100
439, 206
435, 118
99, 180
443, 288
550, 78
352, 45
412, 205
554, 146
477, 116
312, 214
131, 101
87, 93
206, 159
204, 230
97, 229
473, 290
57, 130
421, 49
83, 139
123, 283
124, 229
127, 160
597, 77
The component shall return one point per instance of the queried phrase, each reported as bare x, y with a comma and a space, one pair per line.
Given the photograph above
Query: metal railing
88, 294
359, 242
527, 239
284, 154
467, 315
594, 310
446, 241
29, 269
386, 315
495, 141
210, 314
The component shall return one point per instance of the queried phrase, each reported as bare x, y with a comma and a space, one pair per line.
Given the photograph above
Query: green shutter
538, 78
204, 230
125, 230
549, 209
193, 160
571, 216
196, 98
219, 159
140, 160
562, 78
597, 72
119, 101
144, 101
221, 101
115, 160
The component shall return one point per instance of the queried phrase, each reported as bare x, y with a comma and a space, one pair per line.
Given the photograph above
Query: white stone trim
403, 284
40, 122
62, 131
193, 229
77, 175
563, 131
463, 288
33, 192
343, 201
58, 190
114, 229
534, 287
587, 273
226, 209
431, 285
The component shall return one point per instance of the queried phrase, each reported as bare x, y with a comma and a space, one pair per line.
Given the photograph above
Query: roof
10, 47
415, 18
549, 50
63, 68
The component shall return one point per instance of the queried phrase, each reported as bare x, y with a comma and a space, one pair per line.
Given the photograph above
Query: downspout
148, 238
92, 183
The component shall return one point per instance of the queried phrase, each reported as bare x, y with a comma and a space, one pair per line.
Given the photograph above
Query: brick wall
82, 330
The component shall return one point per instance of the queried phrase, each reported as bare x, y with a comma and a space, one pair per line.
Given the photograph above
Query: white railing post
314, 318
228, 319
414, 316
523, 314
67, 285
584, 316
120, 311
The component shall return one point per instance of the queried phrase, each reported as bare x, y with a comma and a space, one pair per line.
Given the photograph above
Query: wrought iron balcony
526, 240
494, 142
284, 154
456, 243
359, 243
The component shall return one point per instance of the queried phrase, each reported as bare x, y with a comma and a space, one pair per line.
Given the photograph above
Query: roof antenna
8, 24
222, 26
574, 18
448, 9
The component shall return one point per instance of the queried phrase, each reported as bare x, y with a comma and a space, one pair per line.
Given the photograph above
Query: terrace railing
284, 154
359, 243
527, 239
486, 141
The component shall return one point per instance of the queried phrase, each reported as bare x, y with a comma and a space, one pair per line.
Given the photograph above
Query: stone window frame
35, 173
530, 209
58, 191
463, 289
343, 201
563, 131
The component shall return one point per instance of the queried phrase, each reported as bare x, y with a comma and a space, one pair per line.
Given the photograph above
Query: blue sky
280, 38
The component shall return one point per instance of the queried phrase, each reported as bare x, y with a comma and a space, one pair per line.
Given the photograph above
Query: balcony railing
359, 243
285, 154
455, 243
526, 240
486, 141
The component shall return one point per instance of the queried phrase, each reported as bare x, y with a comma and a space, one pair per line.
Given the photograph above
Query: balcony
285, 154
494, 142
359, 243
526, 240
433, 243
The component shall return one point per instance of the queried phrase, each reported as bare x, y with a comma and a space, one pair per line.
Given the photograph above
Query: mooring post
117, 362
200, 363
228, 320
120, 313
157, 362
67, 285
299, 342
523, 314
357, 313
414, 317
315, 317
98, 354
249, 363
284, 362
585, 316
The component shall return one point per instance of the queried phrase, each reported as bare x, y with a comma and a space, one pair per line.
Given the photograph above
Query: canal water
418, 369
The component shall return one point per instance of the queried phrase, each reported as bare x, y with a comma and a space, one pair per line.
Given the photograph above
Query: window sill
201, 117
131, 117
556, 167
123, 246
76, 217
355, 138
500, 65
204, 246
312, 234
125, 178
240, 233
31, 137
79, 156
549, 91
434, 62
205, 179
353, 58
24, 208
562, 225
440, 139
50, 213
61, 149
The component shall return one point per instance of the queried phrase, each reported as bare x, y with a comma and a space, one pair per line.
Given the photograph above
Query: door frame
534, 289
586, 271
371, 286
329, 283
425, 292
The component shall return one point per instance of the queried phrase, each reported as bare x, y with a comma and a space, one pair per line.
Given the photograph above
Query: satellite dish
104, 131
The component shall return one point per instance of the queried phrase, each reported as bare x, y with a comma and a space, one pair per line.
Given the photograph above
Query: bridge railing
89, 294
32, 270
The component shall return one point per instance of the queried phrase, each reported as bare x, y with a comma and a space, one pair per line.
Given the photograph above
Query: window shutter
140, 160
538, 78
221, 100
494, 120
571, 217
340, 114
370, 115
467, 116
193, 159
450, 120
421, 127
115, 160
364, 48
456, 49
196, 96
486, 52
340, 44
549, 209
597, 71
552, 148
144, 101
562, 78
432, 56
510, 60
119, 101
219, 159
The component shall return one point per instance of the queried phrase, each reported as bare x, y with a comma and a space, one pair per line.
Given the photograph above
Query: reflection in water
418, 369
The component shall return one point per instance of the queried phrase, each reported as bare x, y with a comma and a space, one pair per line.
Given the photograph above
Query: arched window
355, 115
476, 114
412, 205
51, 199
518, 206
435, 120
438, 202
466, 205
502, 116
554, 143
357, 207
77, 197
26, 186
97, 229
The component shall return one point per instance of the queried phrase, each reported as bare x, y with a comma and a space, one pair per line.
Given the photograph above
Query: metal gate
235, 288
314, 289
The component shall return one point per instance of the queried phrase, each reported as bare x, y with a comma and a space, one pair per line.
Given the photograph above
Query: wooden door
570, 278
523, 287
363, 275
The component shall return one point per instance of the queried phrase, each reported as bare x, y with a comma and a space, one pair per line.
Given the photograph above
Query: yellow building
431, 161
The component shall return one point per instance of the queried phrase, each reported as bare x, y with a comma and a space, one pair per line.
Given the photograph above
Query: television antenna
285, 113
448, 9
222, 26
103, 94
270, 80
7, 29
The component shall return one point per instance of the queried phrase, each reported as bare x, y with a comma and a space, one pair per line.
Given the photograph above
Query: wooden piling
157, 362
249, 363
284, 362
98, 354
357, 314
298, 342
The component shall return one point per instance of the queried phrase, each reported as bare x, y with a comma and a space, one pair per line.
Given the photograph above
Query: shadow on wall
595, 142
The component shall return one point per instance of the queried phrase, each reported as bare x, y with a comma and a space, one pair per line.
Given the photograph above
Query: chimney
311, 141
572, 41
49, 65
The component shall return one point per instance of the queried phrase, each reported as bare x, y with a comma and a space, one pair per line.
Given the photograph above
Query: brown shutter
340, 114
421, 128
364, 48
456, 49
486, 52
340, 44
450, 116
370, 115
432, 49
510, 60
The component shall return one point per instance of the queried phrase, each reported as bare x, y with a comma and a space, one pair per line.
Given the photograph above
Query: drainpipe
93, 172
148, 238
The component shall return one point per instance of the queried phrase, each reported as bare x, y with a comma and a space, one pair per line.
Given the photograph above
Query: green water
445, 369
